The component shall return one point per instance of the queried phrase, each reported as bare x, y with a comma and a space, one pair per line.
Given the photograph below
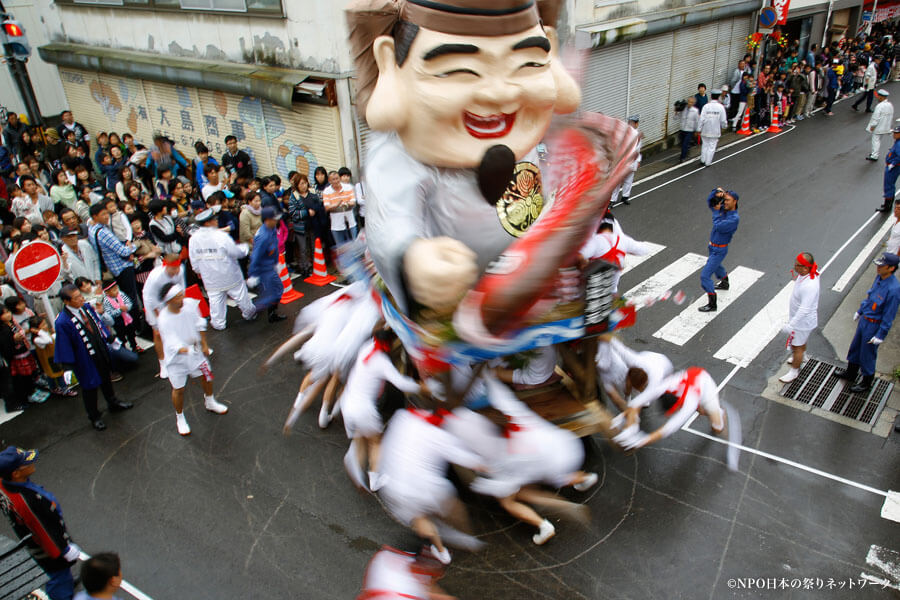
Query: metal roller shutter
310, 139
724, 67
692, 60
133, 116
81, 92
650, 71
739, 32
278, 140
362, 134
605, 87
174, 111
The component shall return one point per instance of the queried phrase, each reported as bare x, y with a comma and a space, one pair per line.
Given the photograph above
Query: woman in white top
803, 311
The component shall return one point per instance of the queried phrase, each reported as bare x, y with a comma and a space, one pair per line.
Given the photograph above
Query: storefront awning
277, 85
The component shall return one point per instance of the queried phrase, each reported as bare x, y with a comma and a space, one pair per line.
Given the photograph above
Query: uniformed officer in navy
891, 172
35, 513
723, 205
874, 319
264, 265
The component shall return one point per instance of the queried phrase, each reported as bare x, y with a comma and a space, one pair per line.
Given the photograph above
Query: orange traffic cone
289, 294
320, 274
745, 124
774, 127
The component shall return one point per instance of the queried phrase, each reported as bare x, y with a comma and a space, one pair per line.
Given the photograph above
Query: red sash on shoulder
687, 382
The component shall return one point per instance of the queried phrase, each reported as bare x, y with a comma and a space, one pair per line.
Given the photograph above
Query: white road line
665, 278
753, 337
136, 593
697, 158
38, 267
888, 562
847, 243
891, 508
686, 325
786, 461
662, 185
862, 257
632, 261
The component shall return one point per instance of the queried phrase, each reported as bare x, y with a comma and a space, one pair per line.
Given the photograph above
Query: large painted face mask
471, 78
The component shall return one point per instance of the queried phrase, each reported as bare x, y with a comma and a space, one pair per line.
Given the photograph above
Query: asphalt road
239, 511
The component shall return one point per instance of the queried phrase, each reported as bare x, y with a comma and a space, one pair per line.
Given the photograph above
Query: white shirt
86, 265
893, 243
182, 330
214, 256
24, 206
690, 119
390, 572
804, 304
882, 118
209, 189
539, 368
870, 77
155, 282
371, 370
601, 243
702, 393
712, 119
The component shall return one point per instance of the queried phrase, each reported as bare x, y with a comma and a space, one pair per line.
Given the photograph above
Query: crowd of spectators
794, 82
113, 207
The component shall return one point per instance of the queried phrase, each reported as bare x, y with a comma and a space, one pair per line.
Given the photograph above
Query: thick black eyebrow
536, 41
445, 49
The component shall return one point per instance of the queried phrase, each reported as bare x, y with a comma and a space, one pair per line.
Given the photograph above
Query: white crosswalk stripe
631, 261
747, 343
689, 323
665, 279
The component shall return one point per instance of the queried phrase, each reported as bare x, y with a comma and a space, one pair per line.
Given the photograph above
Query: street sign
767, 17
867, 15
36, 267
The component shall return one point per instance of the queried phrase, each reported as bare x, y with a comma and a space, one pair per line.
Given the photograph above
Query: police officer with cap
874, 319
35, 512
891, 171
264, 264
625, 188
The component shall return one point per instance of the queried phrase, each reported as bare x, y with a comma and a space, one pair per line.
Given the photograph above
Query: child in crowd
44, 345
116, 307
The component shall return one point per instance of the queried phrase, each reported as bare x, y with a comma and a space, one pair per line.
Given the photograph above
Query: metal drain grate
817, 386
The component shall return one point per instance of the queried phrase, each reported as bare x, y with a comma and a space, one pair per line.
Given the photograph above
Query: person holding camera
723, 205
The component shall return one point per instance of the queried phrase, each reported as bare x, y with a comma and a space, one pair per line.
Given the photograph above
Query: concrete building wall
313, 35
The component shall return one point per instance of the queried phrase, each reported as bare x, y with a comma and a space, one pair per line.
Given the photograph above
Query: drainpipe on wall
827, 22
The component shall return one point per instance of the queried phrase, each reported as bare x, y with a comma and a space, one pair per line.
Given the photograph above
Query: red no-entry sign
36, 267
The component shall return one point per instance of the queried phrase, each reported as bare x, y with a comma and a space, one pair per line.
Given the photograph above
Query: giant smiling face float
460, 93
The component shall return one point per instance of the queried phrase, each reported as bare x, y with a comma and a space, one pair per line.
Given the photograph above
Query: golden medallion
522, 202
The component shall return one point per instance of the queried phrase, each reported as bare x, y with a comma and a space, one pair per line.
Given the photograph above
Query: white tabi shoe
182, 424
789, 376
213, 405
324, 417
353, 468
443, 557
547, 531
587, 484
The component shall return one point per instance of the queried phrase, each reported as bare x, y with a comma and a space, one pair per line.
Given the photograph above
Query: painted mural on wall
278, 140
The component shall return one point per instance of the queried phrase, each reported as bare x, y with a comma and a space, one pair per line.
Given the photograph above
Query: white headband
174, 291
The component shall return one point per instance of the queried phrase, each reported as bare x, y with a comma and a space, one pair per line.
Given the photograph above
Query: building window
252, 7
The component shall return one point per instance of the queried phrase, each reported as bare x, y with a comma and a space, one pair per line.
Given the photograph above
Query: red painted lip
491, 126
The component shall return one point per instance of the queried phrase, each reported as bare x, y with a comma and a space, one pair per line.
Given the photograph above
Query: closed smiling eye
534, 65
458, 72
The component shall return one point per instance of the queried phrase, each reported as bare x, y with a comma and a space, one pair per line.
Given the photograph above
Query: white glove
856, 316
252, 282
72, 552
875, 340
245, 248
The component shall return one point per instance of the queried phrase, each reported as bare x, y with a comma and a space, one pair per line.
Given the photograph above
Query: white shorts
178, 375
800, 337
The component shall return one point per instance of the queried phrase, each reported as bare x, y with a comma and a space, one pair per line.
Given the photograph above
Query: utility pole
15, 61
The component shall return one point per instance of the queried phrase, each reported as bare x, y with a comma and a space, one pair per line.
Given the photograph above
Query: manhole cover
818, 387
